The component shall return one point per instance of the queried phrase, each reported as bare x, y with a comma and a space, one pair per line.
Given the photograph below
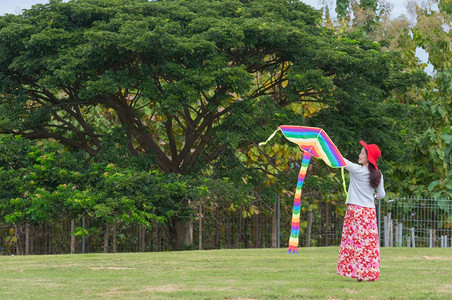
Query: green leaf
432, 185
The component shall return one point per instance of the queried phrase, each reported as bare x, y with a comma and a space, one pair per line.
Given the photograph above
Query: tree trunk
217, 228
258, 233
142, 238
31, 239
327, 224
189, 235
106, 237
27, 239
308, 230
181, 234
17, 234
228, 230
253, 240
253, 232
157, 238
245, 234
114, 237
88, 239
45, 237
275, 226
239, 232
200, 217
63, 238
72, 236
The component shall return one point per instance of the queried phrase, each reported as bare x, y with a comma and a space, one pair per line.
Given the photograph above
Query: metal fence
402, 222
415, 222
55, 238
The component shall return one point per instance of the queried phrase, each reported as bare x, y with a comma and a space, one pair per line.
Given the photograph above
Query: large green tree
187, 82
171, 73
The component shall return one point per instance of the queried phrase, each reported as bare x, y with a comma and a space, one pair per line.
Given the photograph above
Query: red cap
373, 153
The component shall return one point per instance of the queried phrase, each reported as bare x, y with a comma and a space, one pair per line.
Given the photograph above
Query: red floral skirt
359, 256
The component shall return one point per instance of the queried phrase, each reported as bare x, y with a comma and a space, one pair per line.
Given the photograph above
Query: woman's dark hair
374, 176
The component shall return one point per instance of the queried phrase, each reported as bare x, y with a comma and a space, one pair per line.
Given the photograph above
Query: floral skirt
359, 255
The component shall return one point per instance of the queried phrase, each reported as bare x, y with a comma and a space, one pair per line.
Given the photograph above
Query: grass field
406, 273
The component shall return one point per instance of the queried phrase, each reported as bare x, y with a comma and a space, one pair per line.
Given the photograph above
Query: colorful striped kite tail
295, 228
293, 249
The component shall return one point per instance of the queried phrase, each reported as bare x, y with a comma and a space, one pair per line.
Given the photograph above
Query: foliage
181, 80
49, 182
416, 113
427, 169
159, 106
433, 32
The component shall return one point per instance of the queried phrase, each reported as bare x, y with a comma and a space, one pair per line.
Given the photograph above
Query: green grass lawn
406, 273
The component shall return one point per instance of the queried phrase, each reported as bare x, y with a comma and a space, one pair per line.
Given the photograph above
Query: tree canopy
184, 80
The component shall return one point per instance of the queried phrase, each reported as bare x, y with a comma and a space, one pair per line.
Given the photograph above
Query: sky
398, 8
15, 6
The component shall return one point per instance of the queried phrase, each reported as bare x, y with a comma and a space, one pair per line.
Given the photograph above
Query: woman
359, 255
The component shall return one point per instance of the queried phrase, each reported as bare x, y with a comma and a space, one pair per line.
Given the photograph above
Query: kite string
273, 134
343, 184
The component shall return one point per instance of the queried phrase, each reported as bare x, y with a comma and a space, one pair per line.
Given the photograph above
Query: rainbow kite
314, 142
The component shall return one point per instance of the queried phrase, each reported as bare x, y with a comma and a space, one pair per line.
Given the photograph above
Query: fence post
445, 241
83, 237
400, 226
412, 238
390, 232
442, 241
434, 237
385, 228
431, 238
397, 242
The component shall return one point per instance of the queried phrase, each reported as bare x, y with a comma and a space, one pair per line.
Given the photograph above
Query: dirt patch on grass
350, 291
447, 288
437, 258
164, 288
34, 282
112, 268
154, 289
216, 289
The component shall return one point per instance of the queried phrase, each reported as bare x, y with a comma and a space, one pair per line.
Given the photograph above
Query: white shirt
359, 191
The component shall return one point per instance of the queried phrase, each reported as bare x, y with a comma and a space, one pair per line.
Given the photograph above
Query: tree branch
65, 141
137, 131
266, 156
171, 140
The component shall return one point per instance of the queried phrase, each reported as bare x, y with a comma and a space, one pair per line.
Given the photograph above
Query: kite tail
273, 134
295, 229
343, 184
